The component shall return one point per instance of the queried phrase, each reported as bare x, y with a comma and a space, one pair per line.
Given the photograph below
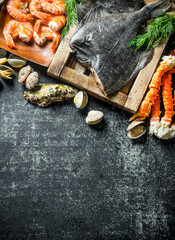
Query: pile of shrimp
38, 19
160, 83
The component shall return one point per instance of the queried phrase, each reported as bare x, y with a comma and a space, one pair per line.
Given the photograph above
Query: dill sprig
71, 14
156, 32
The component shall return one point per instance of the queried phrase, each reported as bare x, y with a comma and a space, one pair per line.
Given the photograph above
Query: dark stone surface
62, 179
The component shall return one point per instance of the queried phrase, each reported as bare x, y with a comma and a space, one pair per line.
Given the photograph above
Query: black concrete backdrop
63, 179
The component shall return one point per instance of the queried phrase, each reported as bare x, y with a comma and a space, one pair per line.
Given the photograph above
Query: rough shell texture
94, 117
3, 53
81, 99
45, 94
24, 73
32, 80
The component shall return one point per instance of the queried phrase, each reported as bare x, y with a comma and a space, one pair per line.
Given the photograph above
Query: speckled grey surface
61, 179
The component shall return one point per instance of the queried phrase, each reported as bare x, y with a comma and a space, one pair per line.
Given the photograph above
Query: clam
3, 53
94, 117
81, 99
16, 61
6, 72
32, 80
136, 129
24, 73
3, 60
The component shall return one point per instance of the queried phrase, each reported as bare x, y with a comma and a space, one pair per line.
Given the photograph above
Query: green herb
156, 32
71, 14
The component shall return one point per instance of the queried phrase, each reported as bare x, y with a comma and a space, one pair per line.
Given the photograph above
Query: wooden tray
67, 68
31, 51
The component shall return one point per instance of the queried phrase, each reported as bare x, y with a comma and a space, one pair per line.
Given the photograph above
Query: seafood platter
97, 61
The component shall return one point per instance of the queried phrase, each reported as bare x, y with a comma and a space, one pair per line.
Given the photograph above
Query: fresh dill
156, 32
71, 14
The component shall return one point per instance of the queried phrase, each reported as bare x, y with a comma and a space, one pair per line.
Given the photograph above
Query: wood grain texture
62, 55
41, 55
87, 84
142, 81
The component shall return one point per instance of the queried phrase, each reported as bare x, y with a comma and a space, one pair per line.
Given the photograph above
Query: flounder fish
101, 41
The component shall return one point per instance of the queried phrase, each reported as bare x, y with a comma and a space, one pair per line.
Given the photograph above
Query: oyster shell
136, 129
81, 99
45, 94
6, 72
24, 73
32, 80
16, 61
94, 117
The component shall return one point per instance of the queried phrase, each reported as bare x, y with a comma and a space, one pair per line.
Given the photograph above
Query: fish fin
157, 8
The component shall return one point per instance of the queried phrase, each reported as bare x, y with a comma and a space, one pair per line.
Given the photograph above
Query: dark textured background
63, 179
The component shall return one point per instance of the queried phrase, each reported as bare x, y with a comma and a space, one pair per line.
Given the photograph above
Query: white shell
3, 53
134, 124
32, 80
137, 132
94, 117
81, 99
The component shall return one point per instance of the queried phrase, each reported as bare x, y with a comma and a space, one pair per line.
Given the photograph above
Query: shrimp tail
55, 43
9, 41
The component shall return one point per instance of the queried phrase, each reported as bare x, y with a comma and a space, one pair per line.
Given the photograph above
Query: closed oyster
6, 72
3, 53
45, 94
16, 61
94, 117
32, 80
24, 73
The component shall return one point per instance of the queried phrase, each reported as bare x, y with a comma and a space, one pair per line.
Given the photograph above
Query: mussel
3, 60
16, 61
136, 129
6, 72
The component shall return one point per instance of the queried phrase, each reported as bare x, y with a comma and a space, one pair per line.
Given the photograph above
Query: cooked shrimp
37, 11
56, 23
145, 108
55, 6
47, 33
18, 9
15, 29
